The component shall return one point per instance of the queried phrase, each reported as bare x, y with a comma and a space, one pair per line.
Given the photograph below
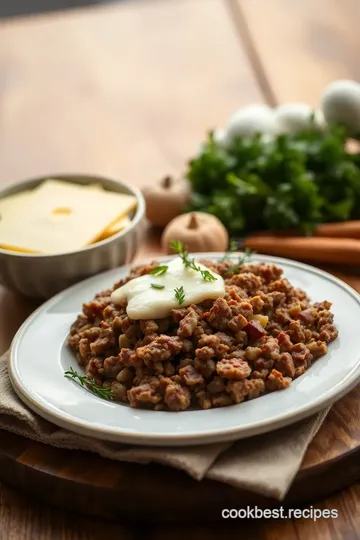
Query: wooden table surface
128, 91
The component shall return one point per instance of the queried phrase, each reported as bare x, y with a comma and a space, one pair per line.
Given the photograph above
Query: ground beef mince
258, 338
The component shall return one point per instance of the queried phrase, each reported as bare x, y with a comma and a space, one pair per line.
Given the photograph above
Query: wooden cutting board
86, 483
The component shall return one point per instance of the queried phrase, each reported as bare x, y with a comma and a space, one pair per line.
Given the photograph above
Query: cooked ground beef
257, 339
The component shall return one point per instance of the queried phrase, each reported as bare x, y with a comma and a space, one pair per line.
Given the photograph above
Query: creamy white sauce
145, 302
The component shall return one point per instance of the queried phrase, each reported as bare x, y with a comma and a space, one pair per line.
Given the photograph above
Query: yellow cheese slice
11, 204
116, 227
57, 187
17, 250
63, 217
94, 186
119, 225
14, 203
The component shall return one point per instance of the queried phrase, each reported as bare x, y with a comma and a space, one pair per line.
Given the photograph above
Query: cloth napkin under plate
265, 464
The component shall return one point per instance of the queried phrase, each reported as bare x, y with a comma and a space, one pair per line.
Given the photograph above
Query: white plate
39, 357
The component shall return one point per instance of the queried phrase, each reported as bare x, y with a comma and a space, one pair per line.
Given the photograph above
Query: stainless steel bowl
42, 276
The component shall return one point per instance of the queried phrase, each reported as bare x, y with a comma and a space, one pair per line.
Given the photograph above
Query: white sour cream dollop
146, 302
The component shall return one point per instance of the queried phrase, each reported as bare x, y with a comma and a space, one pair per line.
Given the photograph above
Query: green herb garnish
232, 247
234, 268
207, 276
190, 263
180, 294
104, 393
177, 246
157, 286
159, 270
292, 181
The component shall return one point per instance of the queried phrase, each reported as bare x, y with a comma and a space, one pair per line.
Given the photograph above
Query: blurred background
26, 7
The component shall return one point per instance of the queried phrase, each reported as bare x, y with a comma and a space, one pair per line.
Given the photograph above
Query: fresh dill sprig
234, 268
180, 294
104, 393
190, 262
159, 270
157, 286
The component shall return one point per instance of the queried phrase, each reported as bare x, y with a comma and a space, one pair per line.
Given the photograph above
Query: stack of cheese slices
59, 216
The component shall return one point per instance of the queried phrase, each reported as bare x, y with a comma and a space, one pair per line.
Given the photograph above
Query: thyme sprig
188, 262
103, 393
232, 247
234, 268
180, 294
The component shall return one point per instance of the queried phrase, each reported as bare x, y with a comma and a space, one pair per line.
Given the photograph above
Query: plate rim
113, 434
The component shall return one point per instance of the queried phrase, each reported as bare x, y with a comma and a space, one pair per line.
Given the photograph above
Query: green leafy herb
190, 263
177, 246
207, 276
159, 270
292, 181
232, 247
104, 393
157, 286
180, 294
234, 268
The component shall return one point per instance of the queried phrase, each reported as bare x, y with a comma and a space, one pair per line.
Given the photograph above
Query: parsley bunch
292, 181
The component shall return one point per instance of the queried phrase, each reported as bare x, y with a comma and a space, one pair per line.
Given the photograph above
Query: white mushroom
295, 117
341, 105
220, 137
220, 140
250, 120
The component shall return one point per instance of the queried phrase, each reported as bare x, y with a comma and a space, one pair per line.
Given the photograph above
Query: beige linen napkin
265, 464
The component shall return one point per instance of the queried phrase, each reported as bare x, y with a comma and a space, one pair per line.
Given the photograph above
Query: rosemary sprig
190, 263
157, 286
104, 393
180, 294
234, 268
159, 270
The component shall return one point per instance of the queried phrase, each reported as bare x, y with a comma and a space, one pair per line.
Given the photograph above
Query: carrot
325, 250
346, 229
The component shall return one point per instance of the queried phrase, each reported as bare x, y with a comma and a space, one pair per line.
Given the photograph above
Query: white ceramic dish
42, 275
39, 357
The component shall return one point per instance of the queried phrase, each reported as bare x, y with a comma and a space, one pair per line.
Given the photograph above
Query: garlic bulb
166, 200
198, 231
295, 117
250, 120
341, 105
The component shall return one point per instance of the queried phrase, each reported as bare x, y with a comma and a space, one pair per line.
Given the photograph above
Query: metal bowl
42, 276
